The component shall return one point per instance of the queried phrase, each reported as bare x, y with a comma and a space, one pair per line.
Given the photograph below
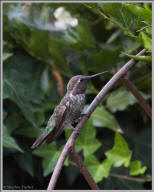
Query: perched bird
68, 111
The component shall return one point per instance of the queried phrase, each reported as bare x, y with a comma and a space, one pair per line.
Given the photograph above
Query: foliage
42, 49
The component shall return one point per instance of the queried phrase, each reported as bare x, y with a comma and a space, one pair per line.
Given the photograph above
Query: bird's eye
81, 80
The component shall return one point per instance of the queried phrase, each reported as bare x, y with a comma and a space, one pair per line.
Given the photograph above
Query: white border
56, 1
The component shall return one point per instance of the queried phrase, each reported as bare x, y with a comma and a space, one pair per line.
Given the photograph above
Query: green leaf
71, 173
87, 142
146, 41
119, 100
103, 118
136, 169
97, 170
25, 163
40, 118
79, 38
119, 15
57, 53
20, 84
13, 121
9, 141
139, 11
120, 154
12, 91
107, 56
139, 58
50, 155
29, 131
6, 56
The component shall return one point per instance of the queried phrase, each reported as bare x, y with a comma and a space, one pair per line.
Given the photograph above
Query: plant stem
138, 96
130, 178
83, 169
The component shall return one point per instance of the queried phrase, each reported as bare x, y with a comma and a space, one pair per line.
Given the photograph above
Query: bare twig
137, 179
91, 108
83, 169
138, 96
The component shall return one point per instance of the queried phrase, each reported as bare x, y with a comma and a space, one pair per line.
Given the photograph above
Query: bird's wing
54, 127
50, 126
39, 140
62, 115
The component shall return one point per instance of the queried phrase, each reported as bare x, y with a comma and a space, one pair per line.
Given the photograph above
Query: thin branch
137, 179
70, 143
83, 169
138, 96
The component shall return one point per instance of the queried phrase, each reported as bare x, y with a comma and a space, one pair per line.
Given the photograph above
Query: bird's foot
70, 127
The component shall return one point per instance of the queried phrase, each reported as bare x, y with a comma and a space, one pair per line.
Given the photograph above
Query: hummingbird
68, 111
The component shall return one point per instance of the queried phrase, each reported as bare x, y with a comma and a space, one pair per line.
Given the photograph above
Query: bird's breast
78, 102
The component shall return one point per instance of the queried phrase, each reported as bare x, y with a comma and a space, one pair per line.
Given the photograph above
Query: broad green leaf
87, 142
50, 155
14, 91
25, 162
13, 121
6, 56
20, 84
136, 169
120, 154
9, 141
120, 100
103, 118
146, 41
97, 170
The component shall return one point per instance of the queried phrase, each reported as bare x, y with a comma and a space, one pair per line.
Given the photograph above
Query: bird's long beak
95, 75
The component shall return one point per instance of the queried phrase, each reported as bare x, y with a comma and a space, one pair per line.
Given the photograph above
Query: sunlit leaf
139, 11
146, 41
97, 170
120, 154
136, 168
139, 58
88, 142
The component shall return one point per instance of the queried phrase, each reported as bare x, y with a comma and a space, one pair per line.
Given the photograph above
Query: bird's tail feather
50, 138
39, 140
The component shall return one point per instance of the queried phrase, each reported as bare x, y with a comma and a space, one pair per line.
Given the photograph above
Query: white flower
64, 18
